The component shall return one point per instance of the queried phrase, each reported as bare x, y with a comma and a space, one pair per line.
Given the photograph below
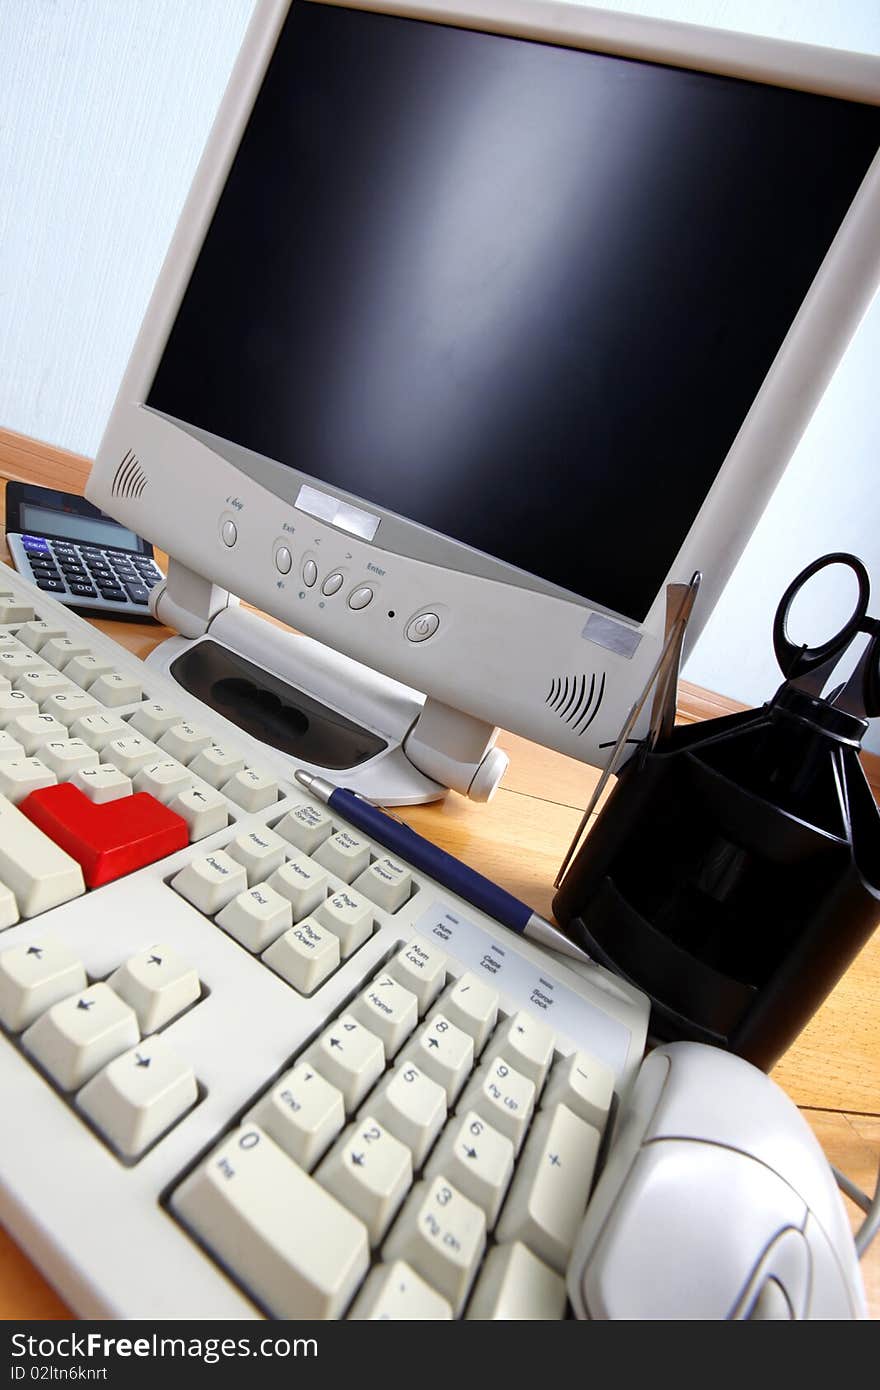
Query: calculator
75, 552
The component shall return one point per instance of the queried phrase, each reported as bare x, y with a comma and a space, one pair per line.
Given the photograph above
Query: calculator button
304, 956
303, 1113
388, 1010
305, 827
203, 809
302, 882
442, 1235
472, 1006
112, 595
158, 984
551, 1187
412, 1106
34, 543
83, 590
370, 1172
108, 840
139, 1096
256, 917
350, 1057
344, 854
421, 968
445, 1053
348, 917
81, 1034
104, 783
515, 1286
385, 883
289, 1242
210, 883
50, 586
395, 1293
477, 1160
35, 976
138, 594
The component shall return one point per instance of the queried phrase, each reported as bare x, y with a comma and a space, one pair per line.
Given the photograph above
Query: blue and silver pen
503, 907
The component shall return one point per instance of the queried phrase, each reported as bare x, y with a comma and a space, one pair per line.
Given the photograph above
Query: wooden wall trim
33, 461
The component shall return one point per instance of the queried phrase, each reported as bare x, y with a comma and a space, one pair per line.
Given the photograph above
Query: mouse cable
869, 1205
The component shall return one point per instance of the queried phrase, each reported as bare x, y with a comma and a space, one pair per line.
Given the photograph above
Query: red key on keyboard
107, 839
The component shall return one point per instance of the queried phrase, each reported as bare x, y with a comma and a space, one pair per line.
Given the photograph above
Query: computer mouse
716, 1201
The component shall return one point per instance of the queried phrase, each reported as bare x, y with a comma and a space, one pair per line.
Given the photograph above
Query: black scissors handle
800, 660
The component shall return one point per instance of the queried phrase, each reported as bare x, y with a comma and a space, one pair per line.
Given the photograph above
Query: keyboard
252, 1065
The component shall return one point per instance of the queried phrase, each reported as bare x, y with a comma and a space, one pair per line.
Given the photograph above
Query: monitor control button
310, 573
283, 560
359, 598
332, 584
229, 533
422, 627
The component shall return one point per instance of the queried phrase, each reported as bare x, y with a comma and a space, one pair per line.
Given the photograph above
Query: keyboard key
21, 776
69, 705
9, 747
302, 883
515, 1286
259, 851
14, 663
583, 1084
158, 984
84, 670
471, 1005
412, 1106
36, 633
527, 1044
370, 1172
203, 809
153, 719
305, 827
184, 740
12, 610
477, 1160
59, 650
256, 917
395, 1293
445, 1053
421, 968
252, 790
33, 730
385, 883
304, 956
139, 1096
131, 752
104, 783
389, 1011
344, 854
210, 883
215, 765
349, 918
552, 1184
503, 1097
80, 1035
33, 977
350, 1057
163, 779
66, 756
99, 729
108, 839
442, 1235
9, 913
114, 689
290, 1243
41, 684
14, 703
303, 1113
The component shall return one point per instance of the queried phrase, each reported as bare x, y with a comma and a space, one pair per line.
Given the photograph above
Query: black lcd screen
522, 294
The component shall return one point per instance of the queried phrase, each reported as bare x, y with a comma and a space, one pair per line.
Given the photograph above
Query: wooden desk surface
832, 1070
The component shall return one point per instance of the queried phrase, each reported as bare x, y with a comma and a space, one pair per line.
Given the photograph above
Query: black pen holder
734, 875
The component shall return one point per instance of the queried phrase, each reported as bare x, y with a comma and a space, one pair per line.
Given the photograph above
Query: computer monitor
483, 324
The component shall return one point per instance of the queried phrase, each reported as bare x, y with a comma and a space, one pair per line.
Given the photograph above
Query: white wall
104, 108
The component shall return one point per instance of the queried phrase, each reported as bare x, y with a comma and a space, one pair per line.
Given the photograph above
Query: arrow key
477, 1160
350, 1057
80, 1035
139, 1096
370, 1172
33, 977
158, 984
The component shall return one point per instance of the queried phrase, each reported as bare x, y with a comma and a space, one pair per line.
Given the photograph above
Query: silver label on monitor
340, 514
613, 636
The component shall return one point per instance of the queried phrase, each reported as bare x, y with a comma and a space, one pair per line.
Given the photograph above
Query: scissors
809, 668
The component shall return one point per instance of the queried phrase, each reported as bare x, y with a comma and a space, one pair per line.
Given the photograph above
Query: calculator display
42, 521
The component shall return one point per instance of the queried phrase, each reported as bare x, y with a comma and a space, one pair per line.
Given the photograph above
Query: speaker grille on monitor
129, 480
576, 699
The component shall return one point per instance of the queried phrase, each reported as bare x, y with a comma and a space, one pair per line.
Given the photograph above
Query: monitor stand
323, 711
